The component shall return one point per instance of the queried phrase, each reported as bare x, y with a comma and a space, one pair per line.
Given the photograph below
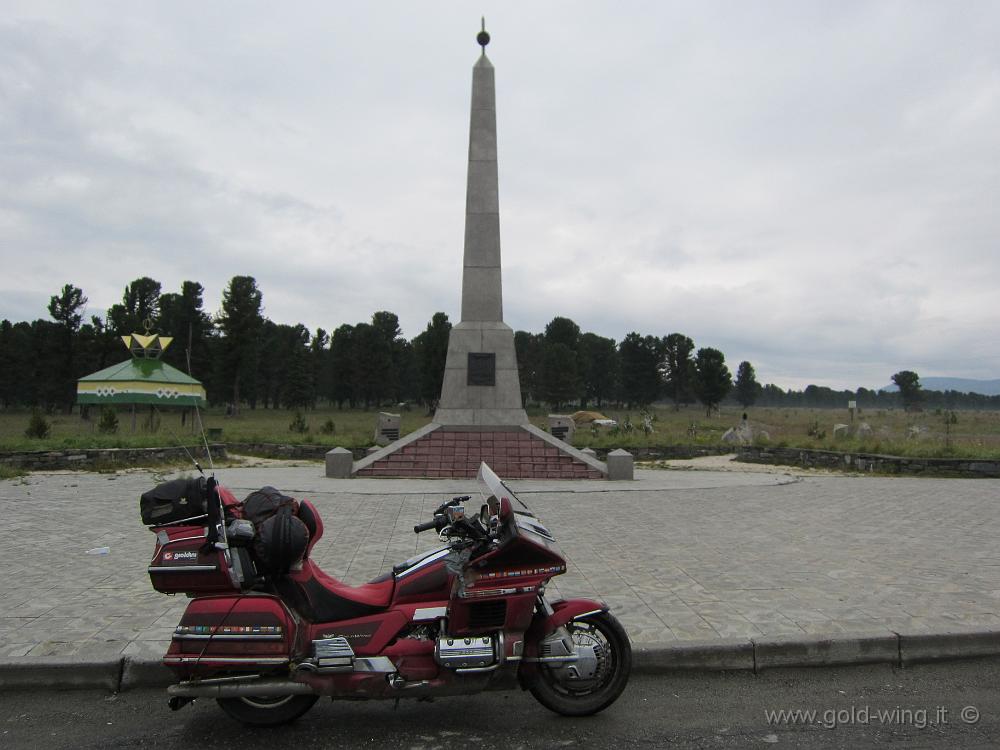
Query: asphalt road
921, 707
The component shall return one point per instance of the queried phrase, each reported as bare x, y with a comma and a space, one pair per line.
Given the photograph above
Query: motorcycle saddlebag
182, 565
177, 500
216, 634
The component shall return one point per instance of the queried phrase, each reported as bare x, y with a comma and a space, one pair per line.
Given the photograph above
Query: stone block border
870, 462
100, 458
112, 458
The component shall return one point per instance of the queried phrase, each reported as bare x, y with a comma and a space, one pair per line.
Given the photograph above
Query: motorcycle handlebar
426, 526
454, 501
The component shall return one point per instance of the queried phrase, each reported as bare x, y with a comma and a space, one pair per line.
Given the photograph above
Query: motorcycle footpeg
330, 656
398, 682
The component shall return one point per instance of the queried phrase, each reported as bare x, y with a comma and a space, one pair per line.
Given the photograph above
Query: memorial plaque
482, 368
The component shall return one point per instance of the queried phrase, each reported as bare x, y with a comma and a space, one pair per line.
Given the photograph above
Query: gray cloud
808, 186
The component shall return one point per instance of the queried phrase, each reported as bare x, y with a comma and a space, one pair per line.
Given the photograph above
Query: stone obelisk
480, 416
481, 385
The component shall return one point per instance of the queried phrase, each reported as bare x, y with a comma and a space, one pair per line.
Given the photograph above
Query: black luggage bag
173, 501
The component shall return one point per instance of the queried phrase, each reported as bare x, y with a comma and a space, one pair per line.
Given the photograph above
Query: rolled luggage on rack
175, 501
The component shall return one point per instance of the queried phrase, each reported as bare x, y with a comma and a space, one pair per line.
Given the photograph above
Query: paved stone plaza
680, 555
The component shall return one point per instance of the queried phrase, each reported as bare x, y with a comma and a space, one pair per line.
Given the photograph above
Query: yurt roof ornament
149, 346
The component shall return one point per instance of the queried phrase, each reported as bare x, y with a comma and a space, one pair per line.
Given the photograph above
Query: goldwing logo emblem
180, 555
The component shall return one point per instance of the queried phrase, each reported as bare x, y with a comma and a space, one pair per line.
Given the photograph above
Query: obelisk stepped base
513, 454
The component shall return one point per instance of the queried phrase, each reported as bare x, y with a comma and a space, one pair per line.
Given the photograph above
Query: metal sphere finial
483, 37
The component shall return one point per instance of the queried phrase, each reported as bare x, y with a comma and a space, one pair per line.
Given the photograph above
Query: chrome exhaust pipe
264, 689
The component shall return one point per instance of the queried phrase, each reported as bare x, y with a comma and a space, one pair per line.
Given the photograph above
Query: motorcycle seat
320, 597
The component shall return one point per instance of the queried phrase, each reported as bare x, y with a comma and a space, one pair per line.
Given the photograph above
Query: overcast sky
814, 187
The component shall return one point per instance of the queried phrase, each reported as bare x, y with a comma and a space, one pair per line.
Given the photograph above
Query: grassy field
351, 428
9, 472
974, 434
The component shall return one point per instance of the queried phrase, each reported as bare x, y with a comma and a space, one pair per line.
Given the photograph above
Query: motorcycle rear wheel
271, 711
583, 698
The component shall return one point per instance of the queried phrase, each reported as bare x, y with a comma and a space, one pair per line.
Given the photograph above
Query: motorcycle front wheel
271, 711
561, 690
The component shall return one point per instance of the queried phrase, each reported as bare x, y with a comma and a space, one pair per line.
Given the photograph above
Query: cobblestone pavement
679, 555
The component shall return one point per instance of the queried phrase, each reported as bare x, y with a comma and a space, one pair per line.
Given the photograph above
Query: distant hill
962, 385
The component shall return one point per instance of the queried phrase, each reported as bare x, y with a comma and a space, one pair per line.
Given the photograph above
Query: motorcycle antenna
204, 439
183, 447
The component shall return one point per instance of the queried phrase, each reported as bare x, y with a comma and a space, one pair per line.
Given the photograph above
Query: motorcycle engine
473, 652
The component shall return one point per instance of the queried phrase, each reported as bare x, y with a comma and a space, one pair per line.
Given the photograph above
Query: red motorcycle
267, 632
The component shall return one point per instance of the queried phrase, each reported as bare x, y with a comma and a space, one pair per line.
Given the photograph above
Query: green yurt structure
142, 380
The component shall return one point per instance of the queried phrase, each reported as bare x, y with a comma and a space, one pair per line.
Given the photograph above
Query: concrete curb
752, 655
915, 648
703, 656
826, 651
144, 672
60, 673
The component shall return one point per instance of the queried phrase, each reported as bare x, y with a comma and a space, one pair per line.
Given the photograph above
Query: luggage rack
181, 522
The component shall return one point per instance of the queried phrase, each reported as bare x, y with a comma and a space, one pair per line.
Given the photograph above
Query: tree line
246, 360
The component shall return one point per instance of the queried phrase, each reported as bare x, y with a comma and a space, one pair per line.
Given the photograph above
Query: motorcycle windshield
490, 485
493, 488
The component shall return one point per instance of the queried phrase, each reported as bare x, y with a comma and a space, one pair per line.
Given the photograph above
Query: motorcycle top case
181, 563
232, 633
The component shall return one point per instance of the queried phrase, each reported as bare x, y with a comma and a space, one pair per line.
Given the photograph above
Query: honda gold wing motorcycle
267, 632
